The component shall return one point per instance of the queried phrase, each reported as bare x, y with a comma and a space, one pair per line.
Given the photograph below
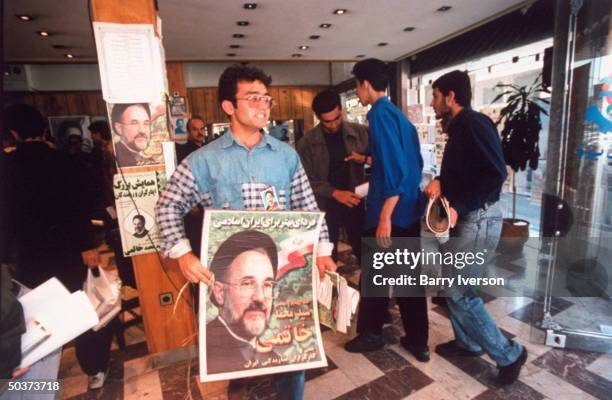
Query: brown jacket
312, 149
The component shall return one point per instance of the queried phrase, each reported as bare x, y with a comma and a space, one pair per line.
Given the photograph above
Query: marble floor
391, 373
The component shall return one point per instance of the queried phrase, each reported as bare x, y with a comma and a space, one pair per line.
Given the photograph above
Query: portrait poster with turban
259, 316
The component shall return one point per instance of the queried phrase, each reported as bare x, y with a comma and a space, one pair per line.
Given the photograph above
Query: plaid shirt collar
228, 139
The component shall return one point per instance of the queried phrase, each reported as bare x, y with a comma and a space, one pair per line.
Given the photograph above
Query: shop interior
558, 301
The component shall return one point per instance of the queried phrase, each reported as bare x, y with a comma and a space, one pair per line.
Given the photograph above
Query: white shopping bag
104, 292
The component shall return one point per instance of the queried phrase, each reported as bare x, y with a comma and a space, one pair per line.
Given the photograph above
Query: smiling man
232, 173
244, 268
132, 123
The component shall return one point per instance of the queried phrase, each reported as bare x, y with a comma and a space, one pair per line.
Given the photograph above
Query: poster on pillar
138, 132
135, 197
259, 317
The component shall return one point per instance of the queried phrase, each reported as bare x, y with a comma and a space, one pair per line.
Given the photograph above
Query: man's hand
193, 271
91, 258
383, 233
19, 372
358, 158
346, 197
433, 189
325, 263
453, 217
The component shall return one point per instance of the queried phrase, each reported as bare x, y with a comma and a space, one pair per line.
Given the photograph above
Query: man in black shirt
473, 171
196, 132
333, 155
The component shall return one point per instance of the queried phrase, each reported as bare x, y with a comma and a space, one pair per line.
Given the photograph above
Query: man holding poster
231, 173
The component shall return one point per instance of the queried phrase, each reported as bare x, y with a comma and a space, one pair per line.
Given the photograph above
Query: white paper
362, 190
65, 315
130, 62
169, 149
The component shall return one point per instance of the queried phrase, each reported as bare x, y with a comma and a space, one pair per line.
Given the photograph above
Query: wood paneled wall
55, 104
293, 102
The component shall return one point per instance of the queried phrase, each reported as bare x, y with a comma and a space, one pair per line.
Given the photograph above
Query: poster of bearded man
259, 317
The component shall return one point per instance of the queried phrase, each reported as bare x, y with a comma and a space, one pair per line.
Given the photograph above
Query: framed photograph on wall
63, 128
177, 106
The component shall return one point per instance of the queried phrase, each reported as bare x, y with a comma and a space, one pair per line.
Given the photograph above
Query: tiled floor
391, 373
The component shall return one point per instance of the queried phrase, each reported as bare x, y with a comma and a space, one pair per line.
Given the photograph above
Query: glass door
575, 280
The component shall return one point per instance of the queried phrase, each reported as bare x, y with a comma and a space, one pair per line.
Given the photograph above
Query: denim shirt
235, 176
397, 165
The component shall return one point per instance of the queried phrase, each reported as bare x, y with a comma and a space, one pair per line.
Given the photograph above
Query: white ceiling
199, 30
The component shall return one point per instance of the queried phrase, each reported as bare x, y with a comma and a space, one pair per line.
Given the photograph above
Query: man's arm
179, 196
302, 198
319, 184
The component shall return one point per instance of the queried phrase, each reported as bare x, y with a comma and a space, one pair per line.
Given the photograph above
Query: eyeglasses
136, 124
247, 287
258, 100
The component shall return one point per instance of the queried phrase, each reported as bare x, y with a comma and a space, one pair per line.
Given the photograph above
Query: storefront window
520, 66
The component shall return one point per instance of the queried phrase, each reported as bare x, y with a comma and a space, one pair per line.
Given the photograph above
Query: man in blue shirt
393, 207
472, 174
231, 173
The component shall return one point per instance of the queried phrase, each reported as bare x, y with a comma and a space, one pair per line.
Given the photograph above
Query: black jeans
93, 349
337, 216
413, 310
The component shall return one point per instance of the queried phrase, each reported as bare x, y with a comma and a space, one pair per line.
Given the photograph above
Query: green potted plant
521, 125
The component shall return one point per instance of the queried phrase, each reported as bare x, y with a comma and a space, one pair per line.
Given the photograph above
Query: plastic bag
104, 292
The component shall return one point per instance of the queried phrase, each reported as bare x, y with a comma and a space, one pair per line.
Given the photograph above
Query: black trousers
93, 349
337, 216
413, 310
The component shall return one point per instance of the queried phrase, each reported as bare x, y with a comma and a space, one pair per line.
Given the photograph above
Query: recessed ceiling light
242, 23
231, 54
381, 44
296, 55
340, 11
303, 47
250, 6
444, 8
24, 17
234, 46
314, 37
325, 26
238, 35
69, 55
360, 56
60, 46
409, 29
43, 33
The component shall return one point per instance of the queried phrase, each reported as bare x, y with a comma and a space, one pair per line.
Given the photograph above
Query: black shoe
510, 373
439, 300
452, 349
364, 343
387, 318
420, 353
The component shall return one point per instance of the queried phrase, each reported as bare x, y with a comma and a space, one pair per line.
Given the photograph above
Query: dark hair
25, 120
325, 102
194, 117
374, 71
102, 128
237, 244
228, 82
458, 82
140, 217
119, 109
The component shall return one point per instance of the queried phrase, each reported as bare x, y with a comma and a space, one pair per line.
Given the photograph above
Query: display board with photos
259, 316
138, 131
135, 197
